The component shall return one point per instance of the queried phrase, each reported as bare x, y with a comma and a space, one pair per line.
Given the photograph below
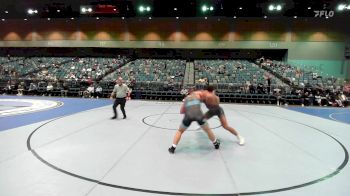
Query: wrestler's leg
225, 125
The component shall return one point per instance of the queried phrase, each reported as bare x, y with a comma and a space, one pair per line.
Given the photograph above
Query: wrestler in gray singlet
193, 112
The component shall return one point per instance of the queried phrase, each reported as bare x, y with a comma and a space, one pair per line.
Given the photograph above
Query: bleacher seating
234, 80
299, 77
231, 75
152, 74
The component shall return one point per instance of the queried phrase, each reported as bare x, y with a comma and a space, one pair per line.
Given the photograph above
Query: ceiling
170, 8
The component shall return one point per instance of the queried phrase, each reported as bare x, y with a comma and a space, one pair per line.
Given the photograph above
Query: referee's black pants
120, 101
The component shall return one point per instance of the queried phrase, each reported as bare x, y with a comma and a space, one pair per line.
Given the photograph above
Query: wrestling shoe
217, 144
171, 149
241, 140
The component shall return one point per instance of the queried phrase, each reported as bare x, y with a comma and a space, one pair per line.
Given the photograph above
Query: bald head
119, 81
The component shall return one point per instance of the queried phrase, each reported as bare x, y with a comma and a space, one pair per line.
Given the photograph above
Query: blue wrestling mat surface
337, 114
69, 106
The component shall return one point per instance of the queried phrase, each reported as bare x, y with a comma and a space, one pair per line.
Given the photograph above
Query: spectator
8, 88
278, 95
49, 89
260, 88
344, 99
20, 89
64, 89
98, 91
90, 91
184, 92
251, 89
268, 84
32, 89
340, 99
318, 98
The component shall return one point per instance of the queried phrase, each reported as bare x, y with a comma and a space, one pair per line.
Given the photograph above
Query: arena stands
72, 73
151, 78
240, 81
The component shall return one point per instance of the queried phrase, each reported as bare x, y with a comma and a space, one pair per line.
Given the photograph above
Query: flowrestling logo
324, 13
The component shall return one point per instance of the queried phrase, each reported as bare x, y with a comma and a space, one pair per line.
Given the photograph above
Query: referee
121, 92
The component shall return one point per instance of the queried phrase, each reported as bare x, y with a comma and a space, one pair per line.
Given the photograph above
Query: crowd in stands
21, 67
235, 76
308, 87
294, 75
55, 76
89, 77
152, 74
